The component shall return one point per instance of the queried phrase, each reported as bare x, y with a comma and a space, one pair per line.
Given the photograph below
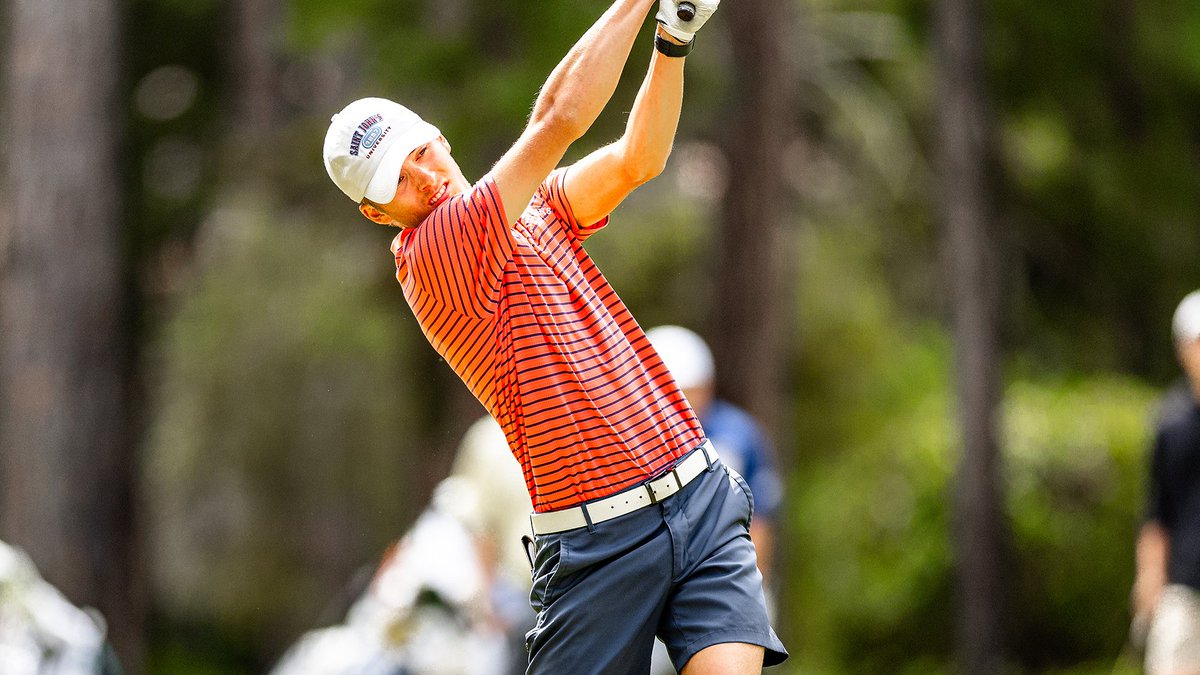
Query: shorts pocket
548, 567
742, 486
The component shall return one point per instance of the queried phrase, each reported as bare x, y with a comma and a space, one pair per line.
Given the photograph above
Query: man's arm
596, 184
1153, 549
762, 533
570, 101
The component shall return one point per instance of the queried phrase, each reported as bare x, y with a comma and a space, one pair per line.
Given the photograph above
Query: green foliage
870, 569
656, 252
873, 566
870, 585
1075, 457
472, 69
1105, 93
178, 33
284, 427
295, 396
206, 648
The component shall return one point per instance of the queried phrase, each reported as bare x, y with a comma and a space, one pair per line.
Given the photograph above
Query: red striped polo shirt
527, 321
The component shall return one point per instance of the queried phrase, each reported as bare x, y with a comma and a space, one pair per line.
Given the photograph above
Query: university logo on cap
367, 136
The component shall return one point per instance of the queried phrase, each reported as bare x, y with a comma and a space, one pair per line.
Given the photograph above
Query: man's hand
1147, 589
684, 31
1152, 551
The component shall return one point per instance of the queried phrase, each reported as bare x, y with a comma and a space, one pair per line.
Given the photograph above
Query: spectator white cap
367, 143
1186, 325
686, 355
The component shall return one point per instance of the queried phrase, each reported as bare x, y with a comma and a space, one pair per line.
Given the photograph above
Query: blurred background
935, 246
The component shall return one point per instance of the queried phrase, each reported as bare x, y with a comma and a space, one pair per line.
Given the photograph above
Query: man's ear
374, 215
444, 142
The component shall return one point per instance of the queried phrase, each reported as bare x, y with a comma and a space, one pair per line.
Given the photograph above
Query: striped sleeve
553, 193
458, 255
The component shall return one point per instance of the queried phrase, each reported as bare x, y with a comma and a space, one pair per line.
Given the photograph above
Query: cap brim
382, 188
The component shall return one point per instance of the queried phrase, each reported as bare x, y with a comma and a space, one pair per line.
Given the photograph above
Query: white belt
628, 501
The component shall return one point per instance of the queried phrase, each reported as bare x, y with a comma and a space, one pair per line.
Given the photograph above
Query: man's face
428, 177
1189, 358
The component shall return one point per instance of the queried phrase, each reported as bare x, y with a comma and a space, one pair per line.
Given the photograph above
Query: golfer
639, 529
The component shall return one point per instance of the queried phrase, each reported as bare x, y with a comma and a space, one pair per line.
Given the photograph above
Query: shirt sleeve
458, 255
553, 194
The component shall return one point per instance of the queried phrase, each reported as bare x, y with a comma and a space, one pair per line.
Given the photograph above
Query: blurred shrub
279, 460
870, 585
1076, 465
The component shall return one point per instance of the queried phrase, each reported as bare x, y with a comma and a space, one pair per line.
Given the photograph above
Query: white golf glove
668, 16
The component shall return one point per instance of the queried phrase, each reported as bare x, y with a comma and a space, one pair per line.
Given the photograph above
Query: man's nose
424, 177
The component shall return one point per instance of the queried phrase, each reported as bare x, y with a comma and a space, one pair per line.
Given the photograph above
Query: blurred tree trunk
748, 317
964, 155
66, 438
254, 67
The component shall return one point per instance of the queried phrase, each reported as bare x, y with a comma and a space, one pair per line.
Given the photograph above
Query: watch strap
672, 49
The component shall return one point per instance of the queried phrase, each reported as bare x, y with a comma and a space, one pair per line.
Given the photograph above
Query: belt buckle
650, 491
674, 473
710, 463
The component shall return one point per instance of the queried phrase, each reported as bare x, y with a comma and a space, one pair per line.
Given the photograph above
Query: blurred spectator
450, 598
1166, 590
497, 518
41, 633
737, 437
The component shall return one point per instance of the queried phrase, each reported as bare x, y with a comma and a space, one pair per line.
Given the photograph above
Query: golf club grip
687, 11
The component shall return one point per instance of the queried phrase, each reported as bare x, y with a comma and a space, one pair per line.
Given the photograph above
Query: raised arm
569, 102
596, 184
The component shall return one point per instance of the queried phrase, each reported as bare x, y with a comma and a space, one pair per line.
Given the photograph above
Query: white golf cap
1186, 325
367, 143
685, 353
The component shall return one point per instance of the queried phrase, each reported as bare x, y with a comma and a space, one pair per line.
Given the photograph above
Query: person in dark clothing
1166, 590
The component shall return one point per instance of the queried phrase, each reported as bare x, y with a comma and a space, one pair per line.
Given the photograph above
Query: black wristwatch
672, 49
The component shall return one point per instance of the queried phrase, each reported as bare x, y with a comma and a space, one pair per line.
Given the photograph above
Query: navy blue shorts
683, 569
